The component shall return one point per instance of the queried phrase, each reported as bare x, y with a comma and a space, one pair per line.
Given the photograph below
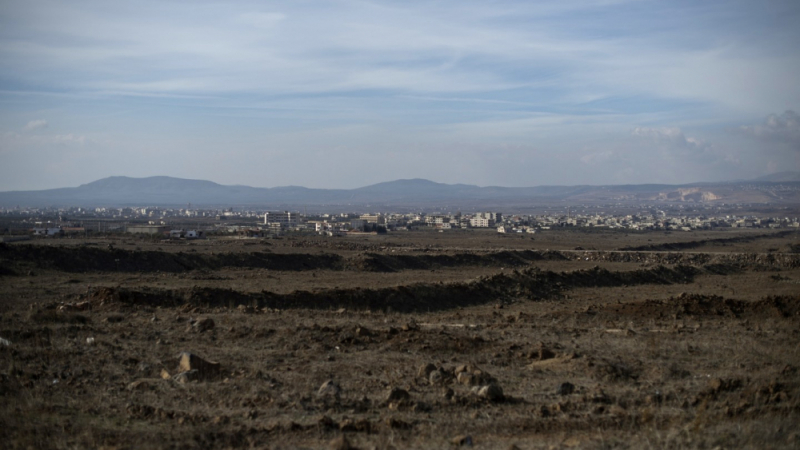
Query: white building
284, 219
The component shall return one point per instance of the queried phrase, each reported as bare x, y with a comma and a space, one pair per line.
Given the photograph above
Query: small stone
426, 370
204, 325
186, 377
565, 388
340, 443
436, 377
410, 326
143, 383
465, 378
165, 375
543, 353
329, 389
492, 392
220, 420
463, 440
397, 395
114, 318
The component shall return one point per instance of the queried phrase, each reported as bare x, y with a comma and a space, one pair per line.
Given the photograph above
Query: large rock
206, 370
491, 392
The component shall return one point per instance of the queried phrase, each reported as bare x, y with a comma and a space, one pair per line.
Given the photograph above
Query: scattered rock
204, 325
143, 367
565, 388
542, 353
436, 377
398, 424
491, 392
363, 332
246, 309
205, 369
465, 378
420, 407
340, 443
397, 395
220, 420
359, 426
329, 389
425, 371
165, 375
411, 325
5, 342
90, 341
114, 318
470, 375
463, 440
144, 383
186, 377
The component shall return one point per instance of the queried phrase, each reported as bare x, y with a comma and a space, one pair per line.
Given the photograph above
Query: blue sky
349, 93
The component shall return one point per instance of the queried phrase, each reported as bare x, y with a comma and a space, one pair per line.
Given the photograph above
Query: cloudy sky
348, 93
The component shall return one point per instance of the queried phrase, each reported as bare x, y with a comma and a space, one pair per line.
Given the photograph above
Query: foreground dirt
416, 340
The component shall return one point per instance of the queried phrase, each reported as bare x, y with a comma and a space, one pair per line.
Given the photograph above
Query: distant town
192, 223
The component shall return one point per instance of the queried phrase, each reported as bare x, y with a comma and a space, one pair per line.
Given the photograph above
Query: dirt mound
86, 259
708, 306
673, 246
391, 263
530, 284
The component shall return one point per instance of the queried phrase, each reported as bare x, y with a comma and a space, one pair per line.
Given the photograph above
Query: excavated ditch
530, 283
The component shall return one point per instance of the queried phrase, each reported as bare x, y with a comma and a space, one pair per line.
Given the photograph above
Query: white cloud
35, 125
599, 157
784, 128
669, 135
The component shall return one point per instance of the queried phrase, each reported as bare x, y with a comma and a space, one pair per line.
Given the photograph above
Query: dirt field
562, 339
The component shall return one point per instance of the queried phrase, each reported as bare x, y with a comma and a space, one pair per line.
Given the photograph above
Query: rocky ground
411, 340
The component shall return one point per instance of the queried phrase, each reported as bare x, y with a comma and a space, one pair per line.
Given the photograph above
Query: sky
346, 94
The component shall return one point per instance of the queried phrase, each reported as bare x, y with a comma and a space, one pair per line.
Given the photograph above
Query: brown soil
391, 341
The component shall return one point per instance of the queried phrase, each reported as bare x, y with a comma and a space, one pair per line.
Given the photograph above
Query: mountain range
781, 188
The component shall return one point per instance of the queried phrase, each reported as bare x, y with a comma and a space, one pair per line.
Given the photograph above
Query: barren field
562, 339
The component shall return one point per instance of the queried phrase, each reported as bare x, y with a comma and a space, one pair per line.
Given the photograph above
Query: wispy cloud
35, 125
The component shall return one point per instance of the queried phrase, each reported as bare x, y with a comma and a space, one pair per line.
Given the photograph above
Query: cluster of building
196, 223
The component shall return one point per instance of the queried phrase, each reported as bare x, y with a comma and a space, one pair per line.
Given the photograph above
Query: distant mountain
411, 193
780, 177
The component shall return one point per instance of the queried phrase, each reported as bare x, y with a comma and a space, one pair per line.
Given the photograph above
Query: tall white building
284, 219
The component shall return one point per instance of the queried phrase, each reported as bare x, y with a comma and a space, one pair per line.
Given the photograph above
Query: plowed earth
413, 340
